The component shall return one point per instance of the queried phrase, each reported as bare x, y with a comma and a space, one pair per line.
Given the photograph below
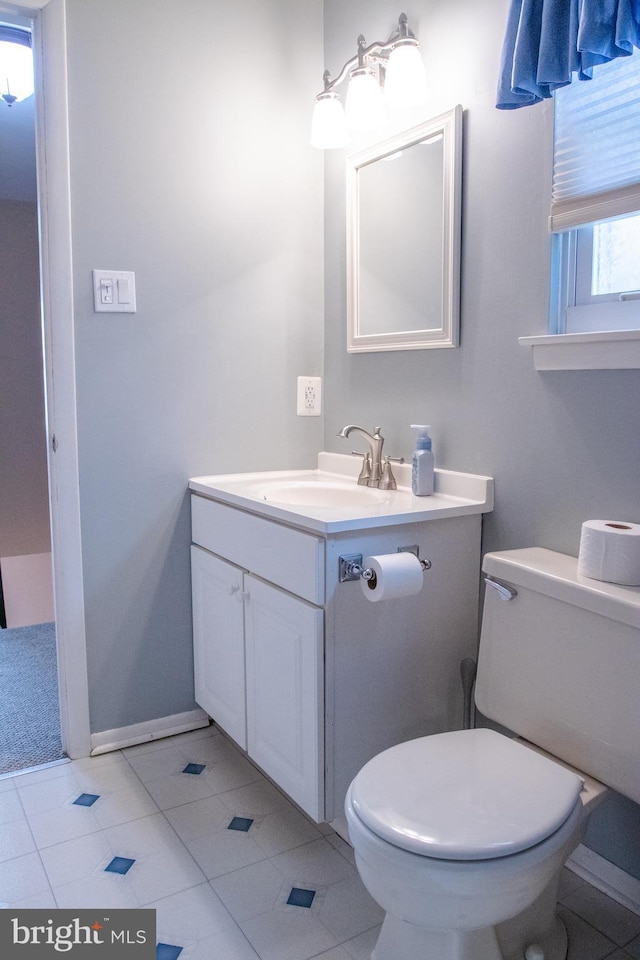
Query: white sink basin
328, 499
321, 493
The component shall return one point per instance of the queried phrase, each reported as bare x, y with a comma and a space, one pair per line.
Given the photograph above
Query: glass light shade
328, 124
405, 83
364, 107
16, 71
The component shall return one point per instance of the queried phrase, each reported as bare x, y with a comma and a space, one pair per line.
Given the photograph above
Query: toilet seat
464, 795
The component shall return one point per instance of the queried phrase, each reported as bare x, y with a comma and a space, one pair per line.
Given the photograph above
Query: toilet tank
559, 663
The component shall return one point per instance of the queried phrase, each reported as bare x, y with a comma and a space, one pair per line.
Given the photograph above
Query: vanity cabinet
299, 667
259, 649
218, 641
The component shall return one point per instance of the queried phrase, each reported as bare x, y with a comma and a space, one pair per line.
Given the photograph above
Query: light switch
114, 291
124, 290
106, 291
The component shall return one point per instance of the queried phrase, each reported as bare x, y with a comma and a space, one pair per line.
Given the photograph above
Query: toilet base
401, 940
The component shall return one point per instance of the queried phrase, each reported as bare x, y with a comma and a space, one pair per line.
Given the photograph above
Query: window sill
609, 350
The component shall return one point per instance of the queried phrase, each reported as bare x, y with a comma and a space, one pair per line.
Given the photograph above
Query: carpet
29, 705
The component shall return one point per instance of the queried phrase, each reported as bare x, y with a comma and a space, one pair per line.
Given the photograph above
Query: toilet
461, 836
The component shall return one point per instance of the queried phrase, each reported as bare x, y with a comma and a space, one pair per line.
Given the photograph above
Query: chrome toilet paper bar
350, 565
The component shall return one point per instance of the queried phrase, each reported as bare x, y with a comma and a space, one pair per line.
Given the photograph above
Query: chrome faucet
371, 473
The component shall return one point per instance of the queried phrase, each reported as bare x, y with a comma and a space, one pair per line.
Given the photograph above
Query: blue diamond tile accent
240, 823
119, 865
301, 898
167, 951
87, 799
195, 768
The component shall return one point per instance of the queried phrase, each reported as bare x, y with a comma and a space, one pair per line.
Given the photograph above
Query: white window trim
600, 350
611, 347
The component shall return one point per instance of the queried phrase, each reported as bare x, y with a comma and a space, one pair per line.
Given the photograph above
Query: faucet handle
388, 481
365, 473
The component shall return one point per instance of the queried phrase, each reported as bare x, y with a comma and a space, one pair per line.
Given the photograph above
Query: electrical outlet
309, 396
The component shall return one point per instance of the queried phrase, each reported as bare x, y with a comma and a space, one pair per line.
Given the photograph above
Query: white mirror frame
448, 124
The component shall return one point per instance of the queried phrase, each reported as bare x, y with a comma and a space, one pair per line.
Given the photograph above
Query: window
595, 210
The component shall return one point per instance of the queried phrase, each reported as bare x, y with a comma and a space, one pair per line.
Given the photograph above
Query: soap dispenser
422, 462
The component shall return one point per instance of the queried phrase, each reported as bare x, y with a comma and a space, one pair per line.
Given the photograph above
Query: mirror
403, 239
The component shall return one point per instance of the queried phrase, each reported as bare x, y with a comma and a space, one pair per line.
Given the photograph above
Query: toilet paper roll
396, 575
610, 551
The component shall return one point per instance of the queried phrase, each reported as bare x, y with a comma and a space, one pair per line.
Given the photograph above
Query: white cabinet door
218, 641
285, 687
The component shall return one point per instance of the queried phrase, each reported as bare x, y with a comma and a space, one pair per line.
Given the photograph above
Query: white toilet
461, 837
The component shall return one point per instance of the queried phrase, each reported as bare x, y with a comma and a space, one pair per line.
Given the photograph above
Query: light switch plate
114, 291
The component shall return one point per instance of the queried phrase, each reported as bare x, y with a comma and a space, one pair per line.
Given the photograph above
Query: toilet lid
465, 795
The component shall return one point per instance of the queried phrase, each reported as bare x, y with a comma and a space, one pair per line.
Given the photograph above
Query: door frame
56, 276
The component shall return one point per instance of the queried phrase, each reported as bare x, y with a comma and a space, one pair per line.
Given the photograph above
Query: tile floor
188, 826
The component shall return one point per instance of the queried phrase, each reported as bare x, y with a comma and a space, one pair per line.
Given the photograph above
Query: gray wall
24, 494
563, 447
190, 165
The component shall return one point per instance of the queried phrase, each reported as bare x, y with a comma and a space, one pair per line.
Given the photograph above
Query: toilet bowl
461, 836
456, 833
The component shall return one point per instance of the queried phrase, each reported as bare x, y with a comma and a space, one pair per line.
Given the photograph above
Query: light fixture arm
375, 52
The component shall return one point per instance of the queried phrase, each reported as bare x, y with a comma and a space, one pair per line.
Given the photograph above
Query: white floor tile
348, 910
15, 840
585, 943
10, 806
193, 821
360, 948
633, 948
338, 953
23, 877
603, 913
252, 891
224, 851
230, 944
159, 763
178, 788
315, 863
282, 830
191, 918
282, 935
7, 784
75, 860
38, 901
230, 774
96, 892
256, 798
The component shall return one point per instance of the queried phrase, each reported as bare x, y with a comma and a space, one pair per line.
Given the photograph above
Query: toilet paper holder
350, 565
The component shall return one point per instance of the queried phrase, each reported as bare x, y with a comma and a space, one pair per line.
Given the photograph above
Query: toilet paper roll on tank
610, 551
395, 575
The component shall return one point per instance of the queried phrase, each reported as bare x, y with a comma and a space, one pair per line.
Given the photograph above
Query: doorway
47, 20
28, 736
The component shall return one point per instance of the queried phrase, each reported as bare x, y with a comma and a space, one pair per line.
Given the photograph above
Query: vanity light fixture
16, 64
381, 75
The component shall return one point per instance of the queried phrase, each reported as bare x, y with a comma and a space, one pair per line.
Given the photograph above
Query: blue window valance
548, 41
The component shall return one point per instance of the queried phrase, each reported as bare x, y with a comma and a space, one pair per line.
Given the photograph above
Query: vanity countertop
280, 495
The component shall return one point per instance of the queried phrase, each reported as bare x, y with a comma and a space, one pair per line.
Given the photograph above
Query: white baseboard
605, 876
121, 737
